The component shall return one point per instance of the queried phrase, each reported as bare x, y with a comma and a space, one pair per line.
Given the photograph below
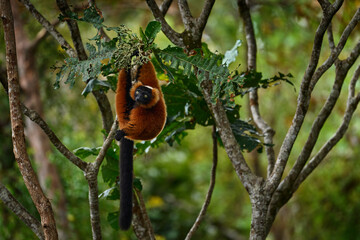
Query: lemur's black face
143, 95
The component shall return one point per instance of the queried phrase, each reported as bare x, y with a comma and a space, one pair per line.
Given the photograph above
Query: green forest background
175, 179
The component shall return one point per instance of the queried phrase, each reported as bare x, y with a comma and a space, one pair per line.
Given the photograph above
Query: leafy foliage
185, 103
186, 106
207, 65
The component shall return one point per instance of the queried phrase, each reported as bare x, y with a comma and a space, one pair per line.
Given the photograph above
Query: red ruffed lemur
141, 112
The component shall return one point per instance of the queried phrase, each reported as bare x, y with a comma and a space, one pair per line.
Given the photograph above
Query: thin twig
43, 33
100, 157
210, 190
11, 203
337, 50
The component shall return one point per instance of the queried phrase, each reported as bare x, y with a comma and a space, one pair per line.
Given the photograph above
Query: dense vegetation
173, 171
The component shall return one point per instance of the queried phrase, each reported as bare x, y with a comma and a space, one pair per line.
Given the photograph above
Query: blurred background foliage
175, 179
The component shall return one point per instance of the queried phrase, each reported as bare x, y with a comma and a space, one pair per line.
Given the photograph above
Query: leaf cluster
186, 72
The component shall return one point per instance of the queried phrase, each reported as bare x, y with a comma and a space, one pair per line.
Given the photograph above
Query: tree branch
100, 157
351, 106
50, 28
101, 98
204, 15
316, 129
91, 173
170, 33
42, 204
11, 203
35, 117
303, 98
165, 5
253, 96
248, 179
210, 190
186, 15
74, 30
342, 68
337, 50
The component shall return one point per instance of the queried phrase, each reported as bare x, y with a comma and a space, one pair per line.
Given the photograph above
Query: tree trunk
29, 81
259, 206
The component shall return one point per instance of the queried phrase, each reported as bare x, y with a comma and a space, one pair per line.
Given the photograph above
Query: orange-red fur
143, 122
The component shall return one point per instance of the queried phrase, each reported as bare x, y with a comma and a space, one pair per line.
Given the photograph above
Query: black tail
126, 182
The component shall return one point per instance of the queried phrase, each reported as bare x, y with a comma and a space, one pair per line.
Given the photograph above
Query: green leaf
152, 29
243, 132
84, 152
137, 184
110, 167
113, 220
94, 85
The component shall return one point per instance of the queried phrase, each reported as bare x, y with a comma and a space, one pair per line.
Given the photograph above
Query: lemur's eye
145, 96
137, 92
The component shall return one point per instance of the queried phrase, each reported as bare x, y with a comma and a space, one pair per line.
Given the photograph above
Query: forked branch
303, 98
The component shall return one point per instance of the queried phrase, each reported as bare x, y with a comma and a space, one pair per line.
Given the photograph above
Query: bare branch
204, 15
354, 54
316, 128
253, 96
35, 117
342, 68
99, 159
337, 50
50, 28
42, 204
105, 109
249, 33
210, 190
43, 33
170, 33
186, 15
353, 82
331, 38
11, 203
91, 174
303, 99
317, 159
165, 5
